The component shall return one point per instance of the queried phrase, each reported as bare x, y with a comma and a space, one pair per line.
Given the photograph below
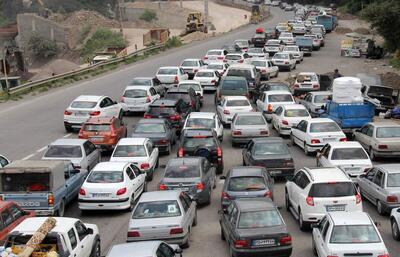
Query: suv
204, 143
173, 110
186, 94
231, 86
314, 192
246, 71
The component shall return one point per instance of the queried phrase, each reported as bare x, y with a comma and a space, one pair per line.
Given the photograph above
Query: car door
247, 153
111, 107
365, 183
321, 238
220, 108
377, 186
324, 156
361, 136
231, 225
7, 219
307, 101
76, 251
152, 153
299, 133
131, 182
72, 181
165, 250
261, 103
153, 95
92, 155
187, 217
300, 181
140, 179
219, 127
85, 241
276, 116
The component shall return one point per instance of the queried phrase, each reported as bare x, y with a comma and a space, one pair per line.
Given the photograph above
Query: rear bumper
387, 207
117, 204
162, 148
47, 212
174, 240
281, 172
279, 251
135, 108
386, 154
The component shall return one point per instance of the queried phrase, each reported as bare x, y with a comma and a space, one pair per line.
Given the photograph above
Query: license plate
101, 195
80, 113
263, 242
306, 85
184, 189
330, 139
96, 139
351, 169
331, 208
275, 172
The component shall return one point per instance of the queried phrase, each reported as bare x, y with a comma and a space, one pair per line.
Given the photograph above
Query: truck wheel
61, 209
96, 252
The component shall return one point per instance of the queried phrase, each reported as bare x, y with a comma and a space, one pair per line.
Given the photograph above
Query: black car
159, 131
270, 86
186, 94
259, 40
271, 153
254, 228
204, 143
173, 110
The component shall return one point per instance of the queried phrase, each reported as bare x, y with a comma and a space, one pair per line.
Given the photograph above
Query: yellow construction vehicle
256, 16
195, 22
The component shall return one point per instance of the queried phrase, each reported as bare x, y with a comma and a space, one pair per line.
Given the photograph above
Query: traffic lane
40, 120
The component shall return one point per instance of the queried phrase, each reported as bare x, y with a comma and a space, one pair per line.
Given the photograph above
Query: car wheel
131, 203
61, 210
144, 187
96, 252
68, 129
209, 198
302, 224
371, 154
222, 234
243, 162
277, 73
379, 208
169, 149
314, 249
158, 160
306, 152
294, 67
194, 224
318, 163
187, 243
395, 230
287, 202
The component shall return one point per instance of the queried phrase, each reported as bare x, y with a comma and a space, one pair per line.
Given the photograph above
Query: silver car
380, 139
166, 215
313, 101
248, 125
144, 249
381, 186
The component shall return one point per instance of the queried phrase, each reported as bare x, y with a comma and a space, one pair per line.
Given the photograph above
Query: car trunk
274, 161
167, 79
102, 191
327, 137
353, 167
251, 130
392, 143
188, 185
135, 160
155, 228
263, 237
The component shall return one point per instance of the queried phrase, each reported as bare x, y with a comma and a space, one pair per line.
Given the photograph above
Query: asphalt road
27, 126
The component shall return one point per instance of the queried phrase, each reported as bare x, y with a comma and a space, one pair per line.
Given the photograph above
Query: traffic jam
110, 166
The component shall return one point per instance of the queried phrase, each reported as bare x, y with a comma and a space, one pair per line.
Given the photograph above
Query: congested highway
28, 126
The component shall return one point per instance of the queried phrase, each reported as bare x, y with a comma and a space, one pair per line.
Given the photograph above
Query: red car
11, 215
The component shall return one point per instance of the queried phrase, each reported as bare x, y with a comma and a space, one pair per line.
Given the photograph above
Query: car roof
277, 92
293, 106
189, 82
178, 90
110, 166
141, 249
235, 97
160, 196
169, 67
215, 50
215, 63
191, 59
100, 120
68, 141
347, 144
237, 53
31, 225
267, 140
132, 141
389, 168
350, 218
241, 171
164, 102
315, 120
205, 115
254, 204
380, 124
149, 78
90, 98
137, 87
324, 175
152, 121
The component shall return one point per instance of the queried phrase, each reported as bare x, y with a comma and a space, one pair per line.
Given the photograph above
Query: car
273, 86
218, 67
104, 132
314, 101
191, 66
380, 139
380, 185
248, 125
243, 44
254, 227
306, 82
86, 106
159, 131
271, 153
259, 40
4, 161
12, 215
287, 38
284, 61
232, 58
315, 191
215, 55
257, 52
83, 154
196, 86
167, 215
275, 3
230, 105
171, 75
270, 33
246, 71
188, 95
208, 120
273, 46
138, 98
194, 175
289, 8
299, 29
266, 68
148, 82
313, 134
145, 249
295, 51
112, 186
287, 116
316, 41
139, 151
347, 234
270, 100
246, 182
173, 110
320, 37
394, 222
208, 79
231, 86
348, 156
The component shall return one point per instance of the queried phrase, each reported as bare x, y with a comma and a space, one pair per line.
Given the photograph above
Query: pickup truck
69, 238
44, 187
348, 116
305, 44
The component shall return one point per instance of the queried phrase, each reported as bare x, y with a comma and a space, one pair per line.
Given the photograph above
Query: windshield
233, 57
324, 127
259, 219
321, 99
255, 50
167, 72
393, 180
83, 104
270, 148
259, 63
238, 184
130, 151
195, 87
255, 120
96, 127
388, 132
105, 177
356, 234
281, 56
332, 189
200, 123
64, 151
237, 103
135, 93
157, 209
193, 142
150, 128
239, 73
355, 153
182, 171
203, 74
214, 53
296, 113
306, 78
240, 85
280, 98
215, 67
141, 82
190, 63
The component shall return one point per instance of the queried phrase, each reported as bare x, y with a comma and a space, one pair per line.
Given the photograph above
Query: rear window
388, 132
135, 93
240, 85
242, 43
96, 127
380, 91
83, 104
25, 182
271, 148
160, 111
157, 209
245, 73
280, 98
233, 57
307, 78
64, 151
204, 74
200, 123
105, 177
167, 72
214, 53
176, 96
324, 127
141, 82
193, 142
237, 103
259, 219
195, 87
130, 151
278, 88
273, 43
150, 128
238, 184
296, 113
291, 49
255, 50
393, 180
355, 153
281, 56
259, 63
190, 63
182, 171
332, 189
357, 234
249, 120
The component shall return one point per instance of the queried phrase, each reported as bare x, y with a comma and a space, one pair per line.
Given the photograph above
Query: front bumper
95, 204
278, 251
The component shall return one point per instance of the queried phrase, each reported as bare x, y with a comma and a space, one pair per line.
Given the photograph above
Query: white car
232, 58
344, 234
287, 38
219, 67
85, 106
214, 55
313, 134
4, 161
208, 79
273, 46
348, 156
112, 186
171, 75
138, 98
266, 68
243, 44
316, 41
230, 105
145, 249
191, 66
284, 61
270, 100
205, 120
287, 116
314, 192
257, 52
139, 151
395, 221
196, 87
306, 82
295, 51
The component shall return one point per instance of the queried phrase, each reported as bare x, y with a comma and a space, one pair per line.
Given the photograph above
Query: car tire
144, 187
371, 154
306, 152
222, 234
292, 140
220, 170
169, 149
68, 129
157, 163
194, 224
243, 162
379, 208
395, 230
277, 73
208, 202
302, 224
61, 210
96, 251
187, 243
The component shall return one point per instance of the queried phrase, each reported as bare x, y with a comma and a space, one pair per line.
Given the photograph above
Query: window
233, 216
16, 212
7, 218
278, 111
87, 148
371, 174
322, 224
364, 129
344, 234
378, 178
166, 250
135, 170
297, 177
187, 199
72, 238
325, 230
184, 203
81, 229
157, 209
308, 98
259, 219
370, 131
149, 146
130, 173
304, 181
3, 161
152, 91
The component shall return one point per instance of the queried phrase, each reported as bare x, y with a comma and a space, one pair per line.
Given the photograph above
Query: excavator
195, 22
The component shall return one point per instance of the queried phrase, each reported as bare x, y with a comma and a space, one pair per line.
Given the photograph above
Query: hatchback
230, 105
191, 66
208, 79
248, 125
196, 86
246, 71
271, 100
188, 95
287, 116
138, 98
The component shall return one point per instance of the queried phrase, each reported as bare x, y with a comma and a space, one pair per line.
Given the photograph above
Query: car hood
154, 222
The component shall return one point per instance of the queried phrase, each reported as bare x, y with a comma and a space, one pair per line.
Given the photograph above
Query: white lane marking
67, 135
41, 149
28, 157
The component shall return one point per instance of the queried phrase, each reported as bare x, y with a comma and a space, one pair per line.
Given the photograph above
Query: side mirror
90, 231
358, 130
115, 102
178, 251
362, 176
222, 177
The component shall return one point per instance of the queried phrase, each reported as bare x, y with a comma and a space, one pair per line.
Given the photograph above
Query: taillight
343, 139
147, 116
122, 99
226, 112
384, 255
285, 122
200, 186
133, 234
67, 112
241, 243
148, 99
220, 57
205, 58
219, 152
175, 117
121, 191
241, 61
392, 199
237, 133
176, 80
95, 113
82, 191
162, 187
358, 198
162, 142
145, 166
50, 199
213, 81
181, 152
382, 147
225, 196
310, 201
315, 86
268, 194
264, 132
77, 167
175, 231
315, 141
286, 240
269, 108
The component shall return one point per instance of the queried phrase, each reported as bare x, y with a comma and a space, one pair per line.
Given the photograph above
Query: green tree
42, 47
148, 15
100, 39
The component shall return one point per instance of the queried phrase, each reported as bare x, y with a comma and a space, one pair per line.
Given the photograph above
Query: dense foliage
100, 39
41, 47
148, 15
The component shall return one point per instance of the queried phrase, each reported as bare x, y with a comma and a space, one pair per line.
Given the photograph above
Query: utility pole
121, 28
206, 14
5, 71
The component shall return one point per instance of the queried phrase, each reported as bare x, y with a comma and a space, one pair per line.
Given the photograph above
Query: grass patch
395, 62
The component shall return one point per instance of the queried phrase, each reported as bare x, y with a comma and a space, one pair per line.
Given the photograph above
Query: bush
173, 42
42, 47
100, 39
148, 15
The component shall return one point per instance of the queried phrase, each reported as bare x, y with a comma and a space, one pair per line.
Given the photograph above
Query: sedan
297, 54
266, 68
208, 79
145, 249
254, 227
194, 175
208, 120
273, 46
246, 182
248, 125
219, 67
232, 58
271, 153
287, 38
257, 52
171, 75
230, 105
138, 98
191, 66
112, 186
314, 101
306, 82
196, 86
287, 116
284, 61
166, 215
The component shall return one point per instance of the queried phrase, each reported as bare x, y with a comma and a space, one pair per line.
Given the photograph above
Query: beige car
380, 139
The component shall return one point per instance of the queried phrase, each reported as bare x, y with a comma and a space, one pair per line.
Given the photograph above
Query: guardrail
35, 84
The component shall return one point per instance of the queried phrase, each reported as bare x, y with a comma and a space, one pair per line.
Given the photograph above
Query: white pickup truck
70, 237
